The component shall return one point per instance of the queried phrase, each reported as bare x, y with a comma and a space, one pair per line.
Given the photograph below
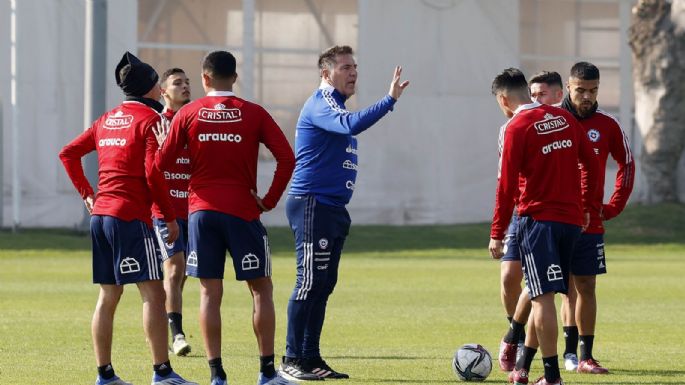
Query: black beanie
138, 77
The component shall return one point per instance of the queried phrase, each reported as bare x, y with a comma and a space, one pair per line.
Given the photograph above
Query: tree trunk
657, 38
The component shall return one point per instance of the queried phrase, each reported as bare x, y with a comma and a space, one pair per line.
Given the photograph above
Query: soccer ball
472, 363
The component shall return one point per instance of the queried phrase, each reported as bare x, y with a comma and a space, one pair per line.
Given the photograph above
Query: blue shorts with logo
123, 252
588, 257
179, 245
511, 246
211, 234
546, 249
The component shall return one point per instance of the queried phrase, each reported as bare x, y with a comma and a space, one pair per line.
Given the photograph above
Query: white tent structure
432, 160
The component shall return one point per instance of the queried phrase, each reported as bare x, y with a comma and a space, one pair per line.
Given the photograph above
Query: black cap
135, 77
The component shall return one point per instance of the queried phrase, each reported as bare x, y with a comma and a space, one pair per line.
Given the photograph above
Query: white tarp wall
434, 159
50, 49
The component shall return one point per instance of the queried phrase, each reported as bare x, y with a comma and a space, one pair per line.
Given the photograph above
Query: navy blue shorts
123, 252
211, 234
511, 246
546, 250
320, 231
588, 257
179, 245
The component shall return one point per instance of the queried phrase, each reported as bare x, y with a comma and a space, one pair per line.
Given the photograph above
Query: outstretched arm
330, 116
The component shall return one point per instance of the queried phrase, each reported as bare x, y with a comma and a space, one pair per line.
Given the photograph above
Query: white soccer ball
472, 362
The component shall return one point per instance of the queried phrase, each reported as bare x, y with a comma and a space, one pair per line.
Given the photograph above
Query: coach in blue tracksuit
323, 182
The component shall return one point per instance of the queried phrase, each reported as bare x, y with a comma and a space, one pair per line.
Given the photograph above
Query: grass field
407, 297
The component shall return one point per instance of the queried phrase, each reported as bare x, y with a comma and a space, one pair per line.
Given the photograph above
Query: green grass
406, 299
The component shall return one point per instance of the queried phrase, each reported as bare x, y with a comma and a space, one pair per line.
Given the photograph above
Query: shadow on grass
643, 372
366, 358
422, 381
642, 382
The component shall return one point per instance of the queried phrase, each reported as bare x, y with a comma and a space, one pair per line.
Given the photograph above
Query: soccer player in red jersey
607, 138
176, 93
542, 145
223, 133
545, 87
124, 250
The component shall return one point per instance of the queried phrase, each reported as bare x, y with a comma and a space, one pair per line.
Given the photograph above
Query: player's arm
71, 155
588, 159
507, 187
273, 138
156, 182
619, 149
330, 117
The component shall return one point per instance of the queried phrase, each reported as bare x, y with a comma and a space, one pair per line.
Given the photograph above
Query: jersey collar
526, 107
220, 93
331, 90
326, 87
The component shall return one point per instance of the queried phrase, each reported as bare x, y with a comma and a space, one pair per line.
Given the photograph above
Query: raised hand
161, 130
396, 87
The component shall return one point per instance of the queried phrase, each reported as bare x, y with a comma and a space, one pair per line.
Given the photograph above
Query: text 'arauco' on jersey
223, 133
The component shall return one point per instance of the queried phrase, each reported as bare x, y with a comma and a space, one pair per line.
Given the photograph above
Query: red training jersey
223, 133
607, 138
128, 182
177, 177
543, 144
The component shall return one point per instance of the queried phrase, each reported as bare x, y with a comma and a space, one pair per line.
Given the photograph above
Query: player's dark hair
219, 65
327, 57
551, 78
585, 71
510, 81
169, 72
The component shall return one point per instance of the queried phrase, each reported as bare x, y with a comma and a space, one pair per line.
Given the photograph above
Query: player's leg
211, 294
263, 314
519, 376
102, 325
510, 285
589, 261
568, 304
173, 255
545, 322
206, 259
154, 319
300, 213
139, 261
154, 323
546, 249
510, 271
513, 299
264, 326
248, 245
331, 226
